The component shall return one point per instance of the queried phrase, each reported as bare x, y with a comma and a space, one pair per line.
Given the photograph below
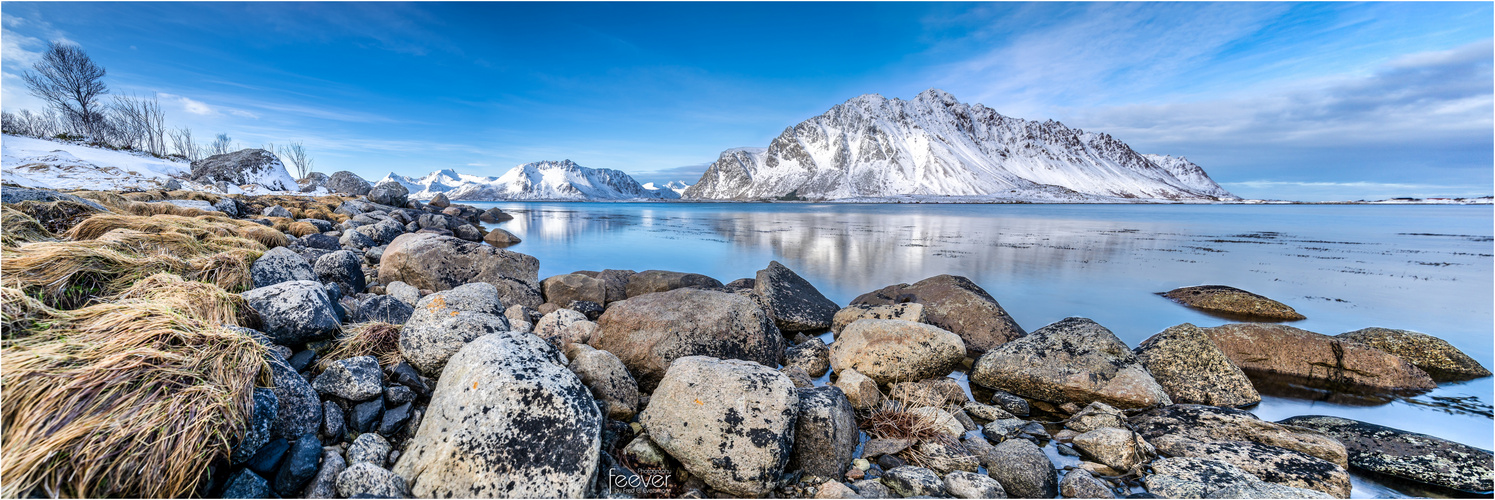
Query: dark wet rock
889, 350
648, 332
279, 265
294, 312
910, 481
860, 390
825, 433
1316, 359
794, 303
394, 419
1073, 360
885, 446
244, 483
445, 321
385, 309
320, 242
1013, 403
730, 422
408, 376
564, 288
964, 484
812, 356
1191, 369
607, 378
324, 484
389, 193
1023, 469
298, 409
1441, 360
1270, 463
1406, 455
344, 268
333, 421
260, 421
956, 304
353, 379
302, 359
371, 448
654, 281
889, 462
299, 465
267, 459
442, 263
906, 311
1232, 301
1080, 483
365, 416
245, 166
1209, 423
366, 480
506, 419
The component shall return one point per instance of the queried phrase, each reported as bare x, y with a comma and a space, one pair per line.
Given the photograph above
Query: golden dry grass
377, 339
57, 216
16, 228
301, 207
128, 399
195, 299
893, 419
197, 227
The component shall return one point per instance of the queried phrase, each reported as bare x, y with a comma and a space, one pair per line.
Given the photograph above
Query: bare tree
296, 153
181, 141
27, 123
222, 144
138, 123
70, 83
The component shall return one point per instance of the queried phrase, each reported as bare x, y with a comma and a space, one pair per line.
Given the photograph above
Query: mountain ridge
537, 181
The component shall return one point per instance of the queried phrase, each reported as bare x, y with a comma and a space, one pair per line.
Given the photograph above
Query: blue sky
1280, 100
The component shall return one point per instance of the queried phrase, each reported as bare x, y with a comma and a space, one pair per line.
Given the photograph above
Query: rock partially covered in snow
246, 166
345, 182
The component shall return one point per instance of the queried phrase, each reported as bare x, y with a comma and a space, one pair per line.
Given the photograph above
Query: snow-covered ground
64, 165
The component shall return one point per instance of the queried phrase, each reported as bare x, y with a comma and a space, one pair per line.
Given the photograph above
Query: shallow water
1423, 268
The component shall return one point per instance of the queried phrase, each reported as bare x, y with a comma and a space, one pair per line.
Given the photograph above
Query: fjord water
1345, 267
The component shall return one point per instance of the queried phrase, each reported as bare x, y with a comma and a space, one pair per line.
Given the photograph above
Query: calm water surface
1423, 268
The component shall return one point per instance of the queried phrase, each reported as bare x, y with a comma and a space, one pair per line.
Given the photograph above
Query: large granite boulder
435, 262
1191, 369
389, 193
1316, 359
730, 422
444, 322
906, 311
1407, 455
1022, 468
245, 166
298, 409
825, 433
561, 289
294, 312
344, 268
279, 265
349, 183
1210, 423
1439, 359
655, 281
1270, 463
956, 304
1074, 360
650, 331
794, 303
605, 375
507, 419
890, 350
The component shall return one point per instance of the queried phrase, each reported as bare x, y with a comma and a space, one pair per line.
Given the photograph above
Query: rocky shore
407, 353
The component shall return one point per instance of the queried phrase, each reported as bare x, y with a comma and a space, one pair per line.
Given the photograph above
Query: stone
1023, 469
616, 281
394, 420
494, 216
501, 238
299, 465
1439, 359
955, 304
564, 327
1315, 359
386, 309
1209, 423
793, 303
965, 484
644, 452
403, 291
1073, 360
835, 489
398, 394
888, 350
607, 378
1186, 477
267, 459
940, 419
506, 419
276, 211
655, 281
910, 481
1407, 455
1080, 483
987, 412
1270, 463
439, 201
324, 484
382, 232
1096, 415
320, 242
731, 422
1265, 490
860, 390
301, 360
356, 239
349, 183
332, 421
1119, 449
344, 268
812, 356
244, 483
438, 263
389, 193
298, 409
946, 456
872, 488
1232, 301
1186, 363
279, 265
443, 322
933, 391
257, 432
591, 310
245, 166
564, 288
648, 332
1004, 429
408, 376
366, 480
371, 448
906, 311
1013, 403
294, 312
365, 416
353, 379
825, 432
889, 462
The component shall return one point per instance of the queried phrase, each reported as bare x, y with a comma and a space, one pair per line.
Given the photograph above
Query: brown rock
956, 304
501, 238
434, 262
655, 281
563, 288
1316, 359
862, 391
648, 332
1233, 301
1441, 360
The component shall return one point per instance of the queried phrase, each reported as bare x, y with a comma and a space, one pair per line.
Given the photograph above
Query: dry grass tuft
893, 419
300, 229
301, 207
118, 400
16, 228
377, 339
201, 301
197, 227
57, 216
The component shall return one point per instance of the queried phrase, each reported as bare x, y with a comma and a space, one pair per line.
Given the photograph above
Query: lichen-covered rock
1441, 360
507, 419
941, 420
933, 391
563, 327
258, 431
860, 390
909, 481
245, 166
825, 433
344, 268
650, 331
1407, 455
730, 422
964, 484
1073, 360
890, 350
1080, 483
1190, 477
369, 447
987, 412
386, 309
389, 193
1119, 449
561, 289
655, 281
294, 312
435, 262
794, 303
956, 304
1023, 469
1095, 416
298, 409
345, 182
443, 322
279, 265
1209, 423
1191, 369
1316, 359
1262, 489
366, 480
353, 379
608, 379
1270, 463
811, 355
906, 311
1233, 301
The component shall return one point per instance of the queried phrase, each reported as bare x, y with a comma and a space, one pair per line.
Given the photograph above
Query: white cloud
196, 107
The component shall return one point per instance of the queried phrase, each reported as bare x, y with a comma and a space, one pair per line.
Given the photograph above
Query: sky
1302, 101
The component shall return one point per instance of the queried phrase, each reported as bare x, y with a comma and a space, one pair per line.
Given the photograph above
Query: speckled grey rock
369, 447
964, 484
353, 379
294, 312
279, 265
438, 263
956, 304
987, 412
244, 483
889, 350
812, 356
1209, 423
872, 488
276, 211
1441, 360
1119, 449
730, 422
825, 432
862, 391
333, 422
1080, 483
260, 421
907, 311
1023, 469
607, 378
1407, 455
384, 308
445, 321
324, 485
1193, 477
402, 291
299, 410
345, 182
563, 327
648, 332
910, 481
344, 268
1073, 360
389, 193
1270, 463
369, 480
506, 419
1095, 416
1191, 369
793, 303
1265, 490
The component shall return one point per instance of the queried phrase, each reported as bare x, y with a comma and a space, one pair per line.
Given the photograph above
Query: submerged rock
888, 350
1407, 455
1316, 359
1233, 301
1441, 360
1191, 369
956, 304
650, 331
1074, 361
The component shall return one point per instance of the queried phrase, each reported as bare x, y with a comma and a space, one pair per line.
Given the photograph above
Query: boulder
1270, 463
1022, 468
507, 419
616, 281
1265, 490
730, 422
366, 480
344, 268
794, 303
1232, 301
349, 183
1119, 449
563, 327
294, 312
650, 331
956, 304
1191, 369
244, 483
320, 242
385, 309
389, 193
1080, 483
356, 239
811, 355
1209, 423
564, 288
494, 216
403, 291
964, 484
258, 431
1188, 477
663, 281
382, 232
825, 432
889, 350
909, 481
860, 390
1316, 359
934, 391
245, 166
1073, 360
353, 379
439, 201
501, 238
298, 409
906, 311
607, 378
433, 262
1095, 416
279, 265
1407, 455
1439, 359
521, 318
443, 322
276, 211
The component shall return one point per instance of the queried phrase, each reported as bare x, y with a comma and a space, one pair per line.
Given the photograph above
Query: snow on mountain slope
1189, 174
545, 180
934, 145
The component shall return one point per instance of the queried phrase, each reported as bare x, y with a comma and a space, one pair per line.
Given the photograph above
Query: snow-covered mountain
676, 186
544, 180
934, 145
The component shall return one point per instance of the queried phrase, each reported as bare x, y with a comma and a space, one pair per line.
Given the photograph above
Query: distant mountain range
544, 180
